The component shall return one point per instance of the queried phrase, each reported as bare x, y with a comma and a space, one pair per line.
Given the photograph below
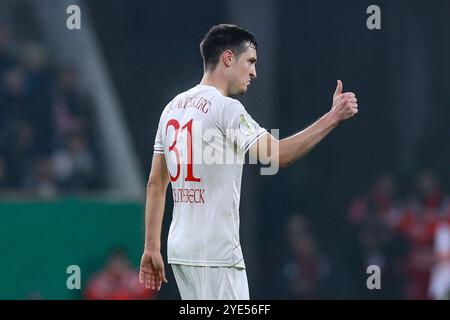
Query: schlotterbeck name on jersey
188, 195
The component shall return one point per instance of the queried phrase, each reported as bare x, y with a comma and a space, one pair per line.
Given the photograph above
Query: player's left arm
152, 272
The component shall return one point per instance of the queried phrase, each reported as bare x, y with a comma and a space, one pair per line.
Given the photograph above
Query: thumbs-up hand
344, 104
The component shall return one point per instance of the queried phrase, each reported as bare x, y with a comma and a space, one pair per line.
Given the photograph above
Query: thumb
338, 90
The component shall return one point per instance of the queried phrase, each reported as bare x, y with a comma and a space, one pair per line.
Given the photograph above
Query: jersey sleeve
239, 127
158, 147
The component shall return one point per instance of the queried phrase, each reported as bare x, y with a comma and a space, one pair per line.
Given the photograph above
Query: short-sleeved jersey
204, 137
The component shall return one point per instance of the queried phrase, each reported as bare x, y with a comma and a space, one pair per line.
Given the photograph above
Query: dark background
400, 74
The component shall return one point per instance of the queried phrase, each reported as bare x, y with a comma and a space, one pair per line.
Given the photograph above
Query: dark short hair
224, 37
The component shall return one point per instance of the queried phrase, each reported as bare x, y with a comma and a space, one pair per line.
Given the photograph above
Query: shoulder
230, 110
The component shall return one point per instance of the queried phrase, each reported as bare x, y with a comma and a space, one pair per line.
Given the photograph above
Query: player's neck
211, 79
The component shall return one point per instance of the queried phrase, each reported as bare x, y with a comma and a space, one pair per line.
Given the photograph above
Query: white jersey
204, 137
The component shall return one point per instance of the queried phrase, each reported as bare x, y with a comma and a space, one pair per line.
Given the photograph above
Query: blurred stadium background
79, 111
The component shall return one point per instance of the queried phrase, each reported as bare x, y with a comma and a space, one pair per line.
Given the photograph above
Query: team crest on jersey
246, 126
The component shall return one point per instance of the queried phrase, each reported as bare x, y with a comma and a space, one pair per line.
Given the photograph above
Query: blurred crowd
404, 232
117, 280
303, 270
47, 145
407, 235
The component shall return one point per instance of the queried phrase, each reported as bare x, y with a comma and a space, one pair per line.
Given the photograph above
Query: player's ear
227, 57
